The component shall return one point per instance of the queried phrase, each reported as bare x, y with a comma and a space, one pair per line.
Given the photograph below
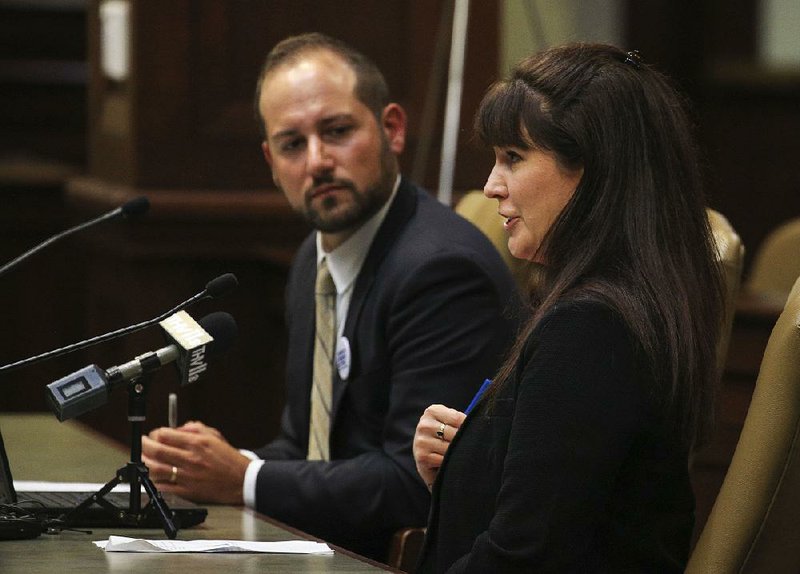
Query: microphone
133, 208
190, 339
89, 388
213, 289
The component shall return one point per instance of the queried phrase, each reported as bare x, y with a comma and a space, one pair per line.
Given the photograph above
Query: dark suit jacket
428, 321
570, 468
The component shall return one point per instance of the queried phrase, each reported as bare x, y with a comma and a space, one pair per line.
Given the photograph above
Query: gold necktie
324, 348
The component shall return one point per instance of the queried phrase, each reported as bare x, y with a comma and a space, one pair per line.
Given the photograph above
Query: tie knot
324, 284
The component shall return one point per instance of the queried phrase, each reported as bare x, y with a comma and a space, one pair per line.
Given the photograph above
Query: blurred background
105, 100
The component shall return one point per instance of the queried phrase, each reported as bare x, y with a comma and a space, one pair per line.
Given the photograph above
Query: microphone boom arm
133, 207
214, 288
102, 338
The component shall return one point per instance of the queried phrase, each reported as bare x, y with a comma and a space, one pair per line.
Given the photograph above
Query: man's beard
360, 205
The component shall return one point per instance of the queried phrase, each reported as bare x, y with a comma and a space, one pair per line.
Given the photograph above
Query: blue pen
478, 395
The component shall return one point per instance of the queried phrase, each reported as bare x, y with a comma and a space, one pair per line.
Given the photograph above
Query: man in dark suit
422, 315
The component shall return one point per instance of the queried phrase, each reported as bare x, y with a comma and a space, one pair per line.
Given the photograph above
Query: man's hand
196, 462
436, 428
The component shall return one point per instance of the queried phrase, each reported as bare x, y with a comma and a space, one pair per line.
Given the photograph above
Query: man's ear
267, 153
393, 122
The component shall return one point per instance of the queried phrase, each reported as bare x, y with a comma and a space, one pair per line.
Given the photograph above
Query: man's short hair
370, 88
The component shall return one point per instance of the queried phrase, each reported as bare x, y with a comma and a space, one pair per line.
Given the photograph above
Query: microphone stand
135, 472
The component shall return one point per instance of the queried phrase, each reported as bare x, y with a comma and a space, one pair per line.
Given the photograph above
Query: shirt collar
346, 260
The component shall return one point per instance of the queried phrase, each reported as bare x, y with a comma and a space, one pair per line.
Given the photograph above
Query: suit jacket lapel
305, 316
403, 207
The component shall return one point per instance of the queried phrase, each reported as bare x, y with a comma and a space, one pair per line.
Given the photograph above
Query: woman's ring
440, 432
173, 478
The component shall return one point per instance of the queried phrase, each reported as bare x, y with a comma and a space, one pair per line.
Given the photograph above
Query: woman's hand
436, 428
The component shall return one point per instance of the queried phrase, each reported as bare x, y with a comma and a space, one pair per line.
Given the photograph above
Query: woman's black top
569, 467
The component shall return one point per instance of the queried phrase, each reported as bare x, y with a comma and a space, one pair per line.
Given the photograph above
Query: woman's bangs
498, 122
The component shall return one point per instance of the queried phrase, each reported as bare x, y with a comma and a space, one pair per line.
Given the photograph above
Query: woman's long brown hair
635, 235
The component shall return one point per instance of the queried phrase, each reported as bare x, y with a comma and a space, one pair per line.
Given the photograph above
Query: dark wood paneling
669, 35
747, 115
141, 269
185, 119
751, 119
43, 82
42, 297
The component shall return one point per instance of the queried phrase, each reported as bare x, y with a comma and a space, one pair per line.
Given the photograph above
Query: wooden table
41, 448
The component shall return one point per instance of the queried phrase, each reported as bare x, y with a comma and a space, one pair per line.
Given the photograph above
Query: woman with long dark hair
576, 458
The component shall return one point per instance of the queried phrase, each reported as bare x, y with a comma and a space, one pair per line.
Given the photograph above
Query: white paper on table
125, 544
42, 486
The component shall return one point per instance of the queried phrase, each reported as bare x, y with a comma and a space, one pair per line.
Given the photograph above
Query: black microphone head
222, 327
221, 285
135, 207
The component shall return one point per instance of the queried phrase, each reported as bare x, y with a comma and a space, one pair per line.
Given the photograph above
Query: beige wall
779, 34
531, 25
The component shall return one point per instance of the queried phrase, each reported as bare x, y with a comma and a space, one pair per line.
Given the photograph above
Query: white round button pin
343, 358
